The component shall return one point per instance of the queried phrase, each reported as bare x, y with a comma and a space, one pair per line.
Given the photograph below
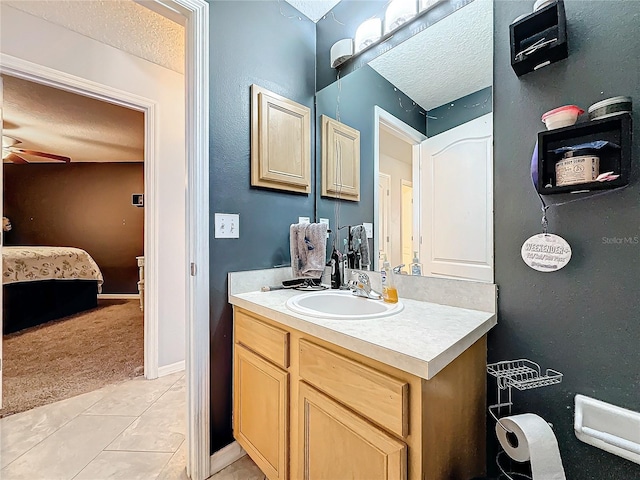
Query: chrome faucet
362, 287
398, 269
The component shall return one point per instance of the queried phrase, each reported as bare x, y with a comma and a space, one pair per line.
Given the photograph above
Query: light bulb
398, 12
426, 4
367, 33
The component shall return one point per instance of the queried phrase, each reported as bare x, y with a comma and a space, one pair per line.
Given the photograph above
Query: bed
46, 283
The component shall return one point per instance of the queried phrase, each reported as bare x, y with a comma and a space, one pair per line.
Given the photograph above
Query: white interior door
457, 200
384, 194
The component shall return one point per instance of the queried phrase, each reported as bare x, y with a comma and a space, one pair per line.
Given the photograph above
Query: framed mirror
424, 112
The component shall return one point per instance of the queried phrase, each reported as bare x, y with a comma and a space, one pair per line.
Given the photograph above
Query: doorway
397, 162
71, 318
193, 265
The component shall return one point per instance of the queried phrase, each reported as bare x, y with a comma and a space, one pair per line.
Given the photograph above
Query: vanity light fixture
368, 33
399, 12
341, 51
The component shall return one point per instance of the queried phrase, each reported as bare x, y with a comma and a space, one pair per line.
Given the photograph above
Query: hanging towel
308, 244
360, 243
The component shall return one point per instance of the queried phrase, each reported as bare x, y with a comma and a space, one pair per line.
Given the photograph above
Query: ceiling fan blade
13, 158
40, 154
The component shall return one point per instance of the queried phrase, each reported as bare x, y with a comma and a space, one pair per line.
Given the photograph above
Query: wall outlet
369, 228
227, 225
304, 220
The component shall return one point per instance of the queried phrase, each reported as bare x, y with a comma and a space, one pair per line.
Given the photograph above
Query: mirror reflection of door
398, 153
457, 206
384, 189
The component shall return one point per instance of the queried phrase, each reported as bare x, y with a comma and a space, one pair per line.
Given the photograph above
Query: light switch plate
369, 228
304, 220
227, 225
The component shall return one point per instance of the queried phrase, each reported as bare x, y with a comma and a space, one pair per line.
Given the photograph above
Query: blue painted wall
583, 319
455, 113
270, 44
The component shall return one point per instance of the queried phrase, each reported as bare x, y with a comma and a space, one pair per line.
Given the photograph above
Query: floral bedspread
28, 264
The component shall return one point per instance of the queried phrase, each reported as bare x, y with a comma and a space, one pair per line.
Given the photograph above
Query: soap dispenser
389, 291
416, 266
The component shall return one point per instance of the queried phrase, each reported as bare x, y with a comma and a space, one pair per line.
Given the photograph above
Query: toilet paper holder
522, 374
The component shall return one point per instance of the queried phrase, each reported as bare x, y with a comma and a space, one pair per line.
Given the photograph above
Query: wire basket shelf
522, 374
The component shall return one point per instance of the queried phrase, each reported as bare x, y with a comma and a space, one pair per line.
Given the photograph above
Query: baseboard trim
172, 368
225, 457
118, 296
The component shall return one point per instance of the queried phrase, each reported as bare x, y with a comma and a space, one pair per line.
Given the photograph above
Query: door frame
196, 272
382, 227
410, 135
409, 184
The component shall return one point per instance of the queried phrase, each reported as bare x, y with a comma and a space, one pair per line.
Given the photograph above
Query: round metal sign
546, 252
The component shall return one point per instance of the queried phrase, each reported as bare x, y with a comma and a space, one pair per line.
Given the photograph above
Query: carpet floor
73, 355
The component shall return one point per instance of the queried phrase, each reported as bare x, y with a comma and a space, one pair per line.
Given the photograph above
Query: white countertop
422, 339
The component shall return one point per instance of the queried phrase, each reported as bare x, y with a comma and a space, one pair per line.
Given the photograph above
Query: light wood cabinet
261, 411
280, 142
338, 444
340, 165
306, 409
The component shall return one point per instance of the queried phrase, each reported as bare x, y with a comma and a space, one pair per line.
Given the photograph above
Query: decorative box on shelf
539, 38
616, 129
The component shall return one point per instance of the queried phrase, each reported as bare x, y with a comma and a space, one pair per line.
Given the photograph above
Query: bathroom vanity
398, 397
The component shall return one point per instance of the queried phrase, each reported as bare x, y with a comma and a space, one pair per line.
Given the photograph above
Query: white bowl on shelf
562, 116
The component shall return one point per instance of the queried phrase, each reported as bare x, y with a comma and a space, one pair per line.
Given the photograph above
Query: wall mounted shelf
539, 39
616, 129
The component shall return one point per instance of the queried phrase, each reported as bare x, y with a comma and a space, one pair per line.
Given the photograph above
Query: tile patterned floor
131, 431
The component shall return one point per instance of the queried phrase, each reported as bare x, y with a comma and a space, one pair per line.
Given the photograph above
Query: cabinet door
337, 444
261, 406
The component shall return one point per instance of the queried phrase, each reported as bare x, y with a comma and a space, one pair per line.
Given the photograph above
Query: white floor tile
134, 397
125, 466
176, 469
148, 434
22, 431
67, 451
161, 428
243, 469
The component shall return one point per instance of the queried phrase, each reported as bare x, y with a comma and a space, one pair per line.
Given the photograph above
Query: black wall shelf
616, 129
539, 27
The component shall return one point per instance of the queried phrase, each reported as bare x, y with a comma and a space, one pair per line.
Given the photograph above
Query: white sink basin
341, 305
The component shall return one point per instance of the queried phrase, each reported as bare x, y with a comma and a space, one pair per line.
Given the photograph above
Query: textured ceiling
55, 121
448, 60
313, 9
116, 23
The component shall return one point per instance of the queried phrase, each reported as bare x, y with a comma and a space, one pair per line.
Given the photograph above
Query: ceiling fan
13, 154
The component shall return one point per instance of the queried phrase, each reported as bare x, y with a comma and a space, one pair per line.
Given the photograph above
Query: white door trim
196, 13
410, 135
197, 232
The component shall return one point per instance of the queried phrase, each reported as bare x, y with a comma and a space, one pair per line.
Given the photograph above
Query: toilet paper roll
535, 442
